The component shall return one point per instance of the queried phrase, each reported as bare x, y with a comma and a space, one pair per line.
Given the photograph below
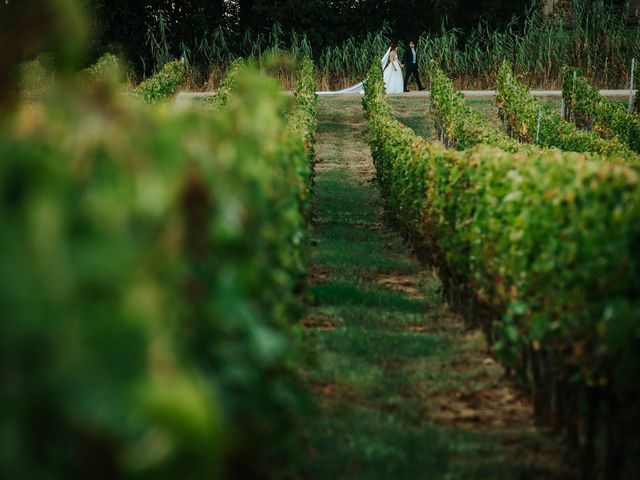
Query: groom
410, 64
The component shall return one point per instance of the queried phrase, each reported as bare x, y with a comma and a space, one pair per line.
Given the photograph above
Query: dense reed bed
598, 40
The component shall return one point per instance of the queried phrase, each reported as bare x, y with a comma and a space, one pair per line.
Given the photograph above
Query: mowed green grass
413, 111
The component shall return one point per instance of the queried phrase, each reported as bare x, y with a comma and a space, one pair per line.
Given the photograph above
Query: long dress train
358, 87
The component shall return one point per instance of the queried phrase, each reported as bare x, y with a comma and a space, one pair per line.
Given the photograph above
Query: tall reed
598, 41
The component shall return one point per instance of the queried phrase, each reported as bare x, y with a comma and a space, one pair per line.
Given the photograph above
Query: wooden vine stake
633, 67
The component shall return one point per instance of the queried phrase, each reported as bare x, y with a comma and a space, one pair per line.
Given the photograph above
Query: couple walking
393, 78
394, 81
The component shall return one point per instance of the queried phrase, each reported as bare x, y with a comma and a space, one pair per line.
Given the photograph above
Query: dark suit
411, 68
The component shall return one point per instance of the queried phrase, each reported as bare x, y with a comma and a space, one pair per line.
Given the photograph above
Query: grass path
403, 391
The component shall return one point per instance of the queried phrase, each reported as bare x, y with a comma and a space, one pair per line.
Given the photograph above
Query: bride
392, 75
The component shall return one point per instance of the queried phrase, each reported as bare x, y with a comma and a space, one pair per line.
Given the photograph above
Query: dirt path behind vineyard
403, 390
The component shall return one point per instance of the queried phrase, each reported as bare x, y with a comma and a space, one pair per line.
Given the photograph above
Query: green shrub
36, 77
456, 123
163, 84
374, 93
539, 249
585, 106
228, 83
528, 120
301, 122
303, 117
150, 259
107, 68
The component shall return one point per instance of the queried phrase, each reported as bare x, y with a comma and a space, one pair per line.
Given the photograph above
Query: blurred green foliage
228, 83
29, 28
35, 77
152, 261
164, 83
107, 68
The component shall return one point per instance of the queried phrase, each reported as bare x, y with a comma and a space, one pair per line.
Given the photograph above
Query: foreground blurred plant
27, 28
151, 259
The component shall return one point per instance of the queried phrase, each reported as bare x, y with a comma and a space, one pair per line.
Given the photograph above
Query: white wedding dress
394, 81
